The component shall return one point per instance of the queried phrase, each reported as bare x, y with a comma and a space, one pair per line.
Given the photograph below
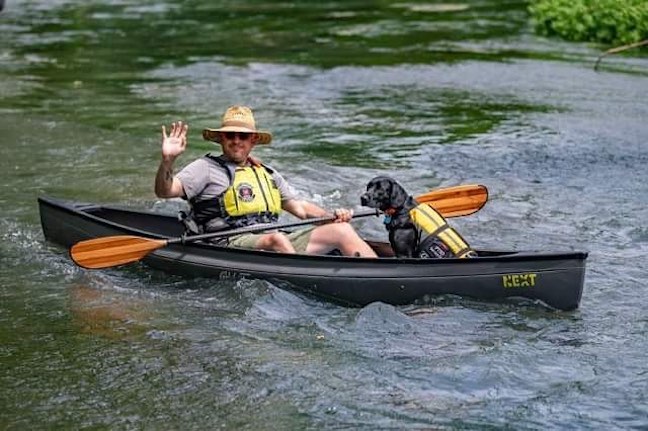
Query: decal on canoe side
527, 279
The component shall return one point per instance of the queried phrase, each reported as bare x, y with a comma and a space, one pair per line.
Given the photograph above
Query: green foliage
605, 21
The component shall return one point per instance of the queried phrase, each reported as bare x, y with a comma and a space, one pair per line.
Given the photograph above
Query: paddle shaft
117, 250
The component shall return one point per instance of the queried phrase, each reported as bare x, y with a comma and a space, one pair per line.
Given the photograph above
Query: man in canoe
234, 190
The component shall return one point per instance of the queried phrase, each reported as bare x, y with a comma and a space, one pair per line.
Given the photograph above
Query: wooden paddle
117, 250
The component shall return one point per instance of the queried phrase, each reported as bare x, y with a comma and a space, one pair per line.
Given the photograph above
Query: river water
434, 94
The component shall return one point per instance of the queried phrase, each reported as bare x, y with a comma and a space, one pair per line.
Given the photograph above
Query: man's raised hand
175, 142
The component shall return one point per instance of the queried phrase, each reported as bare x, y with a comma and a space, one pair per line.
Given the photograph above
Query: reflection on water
108, 313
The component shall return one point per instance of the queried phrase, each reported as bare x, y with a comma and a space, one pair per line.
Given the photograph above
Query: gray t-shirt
205, 179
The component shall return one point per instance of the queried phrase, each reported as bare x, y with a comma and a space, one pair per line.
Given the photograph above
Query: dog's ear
398, 195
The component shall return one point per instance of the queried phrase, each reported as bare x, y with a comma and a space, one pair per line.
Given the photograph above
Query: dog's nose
363, 200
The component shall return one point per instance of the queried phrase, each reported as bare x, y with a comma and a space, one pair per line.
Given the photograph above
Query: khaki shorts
299, 239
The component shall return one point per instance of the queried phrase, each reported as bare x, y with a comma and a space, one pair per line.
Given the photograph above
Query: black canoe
555, 279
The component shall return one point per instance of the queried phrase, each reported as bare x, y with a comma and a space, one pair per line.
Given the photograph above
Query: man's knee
277, 238
335, 234
277, 241
339, 228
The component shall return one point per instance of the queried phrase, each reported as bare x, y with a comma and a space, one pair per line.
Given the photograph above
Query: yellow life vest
433, 224
252, 194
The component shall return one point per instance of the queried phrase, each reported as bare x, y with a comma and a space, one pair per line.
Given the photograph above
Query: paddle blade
456, 201
113, 250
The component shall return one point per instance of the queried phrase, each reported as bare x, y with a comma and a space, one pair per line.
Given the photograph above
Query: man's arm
166, 184
304, 210
174, 144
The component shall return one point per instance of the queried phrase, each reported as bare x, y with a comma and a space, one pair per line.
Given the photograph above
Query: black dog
415, 230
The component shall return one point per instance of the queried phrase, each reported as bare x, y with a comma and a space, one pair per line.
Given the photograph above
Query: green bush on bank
605, 21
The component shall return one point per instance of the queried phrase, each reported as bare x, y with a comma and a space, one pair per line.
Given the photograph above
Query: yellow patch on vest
253, 191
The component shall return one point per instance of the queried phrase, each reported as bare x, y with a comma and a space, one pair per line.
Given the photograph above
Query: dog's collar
389, 212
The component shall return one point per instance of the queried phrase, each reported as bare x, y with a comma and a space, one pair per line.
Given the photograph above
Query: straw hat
237, 119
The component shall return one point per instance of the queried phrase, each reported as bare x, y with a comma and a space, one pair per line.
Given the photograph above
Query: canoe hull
555, 279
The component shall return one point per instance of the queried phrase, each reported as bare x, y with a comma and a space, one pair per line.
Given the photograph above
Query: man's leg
274, 241
341, 236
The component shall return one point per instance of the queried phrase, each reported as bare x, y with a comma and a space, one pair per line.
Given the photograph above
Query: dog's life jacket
438, 239
252, 197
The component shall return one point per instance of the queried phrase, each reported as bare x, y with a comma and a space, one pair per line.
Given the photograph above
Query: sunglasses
243, 136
